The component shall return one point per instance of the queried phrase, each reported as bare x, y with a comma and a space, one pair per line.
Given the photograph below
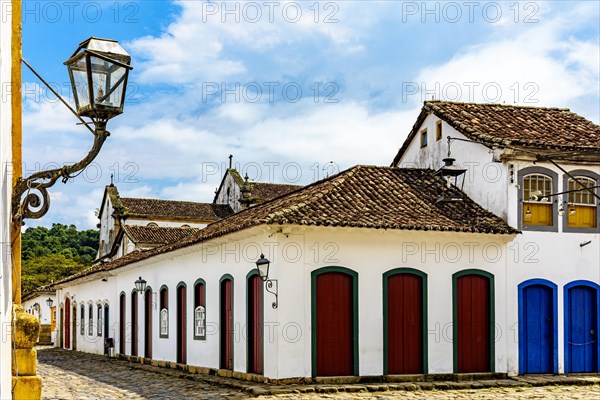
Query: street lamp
49, 302
140, 285
99, 70
262, 266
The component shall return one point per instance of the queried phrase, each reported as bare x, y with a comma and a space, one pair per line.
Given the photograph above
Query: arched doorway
67, 324
226, 322
122, 311
537, 327
582, 324
334, 322
181, 324
473, 312
148, 323
405, 321
134, 323
74, 328
255, 323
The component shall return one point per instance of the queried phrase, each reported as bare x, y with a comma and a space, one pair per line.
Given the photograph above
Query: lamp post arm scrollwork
36, 202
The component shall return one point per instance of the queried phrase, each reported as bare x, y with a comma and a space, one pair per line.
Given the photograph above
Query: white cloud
542, 65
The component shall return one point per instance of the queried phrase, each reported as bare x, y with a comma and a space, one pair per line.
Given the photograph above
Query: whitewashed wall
44, 314
294, 256
230, 193
94, 292
5, 199
107, 223
554, 256
485, 180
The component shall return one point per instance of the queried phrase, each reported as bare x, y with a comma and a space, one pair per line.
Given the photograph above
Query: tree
50, 255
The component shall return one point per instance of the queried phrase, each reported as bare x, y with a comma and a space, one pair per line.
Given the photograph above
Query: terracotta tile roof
362, 197
527, 127
169, 209
157, 235
267, 191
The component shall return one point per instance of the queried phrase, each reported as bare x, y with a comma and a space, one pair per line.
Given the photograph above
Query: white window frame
164, 322
200, 322
91, 320
99, 318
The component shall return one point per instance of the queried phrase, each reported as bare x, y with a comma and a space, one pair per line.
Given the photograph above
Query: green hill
53, 254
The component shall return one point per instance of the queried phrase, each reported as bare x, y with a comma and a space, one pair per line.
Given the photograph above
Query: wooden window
438, 130
582, 208
99, 320
200, 322
200, 310
164, 312
424, 138
537, 204
82, 319
91, 320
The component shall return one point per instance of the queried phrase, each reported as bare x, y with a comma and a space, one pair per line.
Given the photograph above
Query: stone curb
269, 389
462, 382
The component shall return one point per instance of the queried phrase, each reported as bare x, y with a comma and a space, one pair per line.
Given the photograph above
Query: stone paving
75, 375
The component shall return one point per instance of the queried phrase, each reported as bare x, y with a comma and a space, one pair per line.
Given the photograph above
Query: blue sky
287, 87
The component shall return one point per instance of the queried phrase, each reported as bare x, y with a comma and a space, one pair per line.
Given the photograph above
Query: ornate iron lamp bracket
269, 283
30, 198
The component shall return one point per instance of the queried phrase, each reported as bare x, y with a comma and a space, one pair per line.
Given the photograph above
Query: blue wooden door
537, 347
582, 323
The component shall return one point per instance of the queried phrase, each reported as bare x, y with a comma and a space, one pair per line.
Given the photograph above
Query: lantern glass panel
80, 83
108, 81
263, 270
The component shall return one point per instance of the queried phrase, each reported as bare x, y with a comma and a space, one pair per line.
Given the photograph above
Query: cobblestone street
75, 375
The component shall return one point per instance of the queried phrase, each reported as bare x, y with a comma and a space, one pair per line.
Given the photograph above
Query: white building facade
378, 271
557, 256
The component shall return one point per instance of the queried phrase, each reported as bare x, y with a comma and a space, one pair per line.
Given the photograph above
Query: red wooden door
405, 324
473, 323
122, 324
255, 325
335, 323
226, 324
134, 324
181, 325
67, 323
148, 324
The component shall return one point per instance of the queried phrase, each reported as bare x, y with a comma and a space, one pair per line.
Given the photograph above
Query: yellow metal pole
17, 140
26, 383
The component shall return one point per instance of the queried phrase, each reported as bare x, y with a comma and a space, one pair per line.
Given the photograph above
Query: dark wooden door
582, 325
473, 323
181, 325
148, 324
334, 319
67, 323
255, 325
106, 322
134, 324
537, 348
74, 329
122, 312
405, 324
226, 324
62, 327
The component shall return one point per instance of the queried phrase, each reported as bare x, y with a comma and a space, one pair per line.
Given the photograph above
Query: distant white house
378, 270
36, 303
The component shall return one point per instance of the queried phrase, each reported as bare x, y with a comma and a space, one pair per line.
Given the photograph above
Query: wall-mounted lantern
99, 70
50, 302
140, 285
262, 266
